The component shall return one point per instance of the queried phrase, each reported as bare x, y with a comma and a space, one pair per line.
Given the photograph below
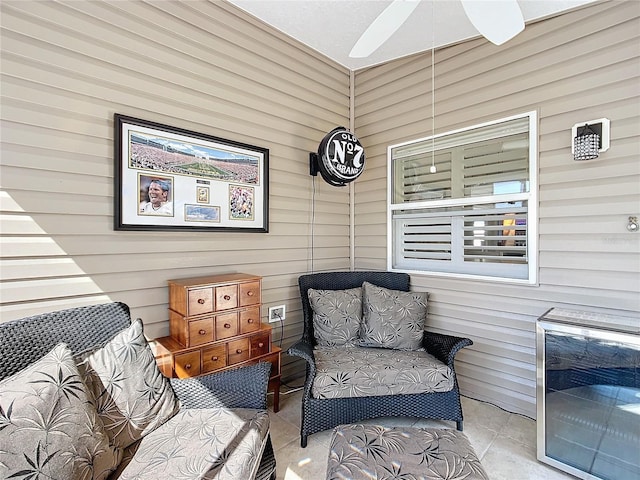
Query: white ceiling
332, 27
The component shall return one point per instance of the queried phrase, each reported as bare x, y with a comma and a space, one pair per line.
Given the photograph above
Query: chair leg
459, 425
303, 441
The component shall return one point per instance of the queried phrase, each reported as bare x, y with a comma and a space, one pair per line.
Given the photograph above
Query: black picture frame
162, 174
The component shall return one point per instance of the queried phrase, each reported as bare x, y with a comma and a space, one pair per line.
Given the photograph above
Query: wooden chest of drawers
214, 324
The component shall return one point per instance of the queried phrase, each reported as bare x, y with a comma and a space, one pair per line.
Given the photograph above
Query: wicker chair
320, 414
24, 341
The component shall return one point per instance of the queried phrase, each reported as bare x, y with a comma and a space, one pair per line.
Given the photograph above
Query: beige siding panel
582, 207
45, 267
42, 306
511, 398
24, 246
36, 158
210, 38
530, 301
572, 68
599, 224
22, 291
494, 350
592, 243
77, 243
452, 95
19, 225
560, 168
594, 187
619, 261
495, 362
67, 67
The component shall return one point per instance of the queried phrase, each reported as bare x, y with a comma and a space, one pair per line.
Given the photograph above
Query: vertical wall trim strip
352, 208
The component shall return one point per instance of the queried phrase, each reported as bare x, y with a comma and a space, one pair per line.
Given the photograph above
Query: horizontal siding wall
573, 68
67, 67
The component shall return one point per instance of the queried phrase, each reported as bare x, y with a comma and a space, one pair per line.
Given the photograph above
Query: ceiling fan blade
390, 20
497, 20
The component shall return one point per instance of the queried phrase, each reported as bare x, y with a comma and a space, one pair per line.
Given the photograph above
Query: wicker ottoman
370, 452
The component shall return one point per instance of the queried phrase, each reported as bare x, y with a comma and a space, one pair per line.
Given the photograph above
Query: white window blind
473, 215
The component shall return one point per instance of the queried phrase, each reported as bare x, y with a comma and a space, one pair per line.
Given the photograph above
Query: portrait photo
156, 195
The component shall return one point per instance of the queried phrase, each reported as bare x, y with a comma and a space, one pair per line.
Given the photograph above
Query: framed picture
168, 178
201, 213
202, 194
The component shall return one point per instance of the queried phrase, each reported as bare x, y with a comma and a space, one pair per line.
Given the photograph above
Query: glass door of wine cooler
588, 396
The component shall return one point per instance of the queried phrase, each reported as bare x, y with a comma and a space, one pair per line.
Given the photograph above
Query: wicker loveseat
214, 424
321, 413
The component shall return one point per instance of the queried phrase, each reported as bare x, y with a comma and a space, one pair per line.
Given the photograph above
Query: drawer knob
250, 293
201, 301
250, 320
227, 325
227, 297
188, 366
214, 359
261, 344
238, 351
202, 331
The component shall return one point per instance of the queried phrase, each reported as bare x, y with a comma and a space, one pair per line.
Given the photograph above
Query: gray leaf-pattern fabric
364, 372
337, 316
365, 452
217, 443
48, 428
131, 395
392, 318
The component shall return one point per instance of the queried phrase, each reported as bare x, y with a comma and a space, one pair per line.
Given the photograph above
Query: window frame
531, 197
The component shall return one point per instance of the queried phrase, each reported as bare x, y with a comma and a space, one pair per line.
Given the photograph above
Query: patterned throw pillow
131, 395
392, 318
337, 315
48, 428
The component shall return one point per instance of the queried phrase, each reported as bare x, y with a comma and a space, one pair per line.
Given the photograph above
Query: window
476, 214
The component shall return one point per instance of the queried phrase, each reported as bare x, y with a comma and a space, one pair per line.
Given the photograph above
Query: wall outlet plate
277, 314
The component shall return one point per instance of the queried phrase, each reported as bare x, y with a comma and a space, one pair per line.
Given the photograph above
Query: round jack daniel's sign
341, 157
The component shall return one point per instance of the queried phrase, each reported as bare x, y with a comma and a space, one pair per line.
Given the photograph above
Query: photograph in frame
241, 202
201, 213
168, 178
155, 195
202, 194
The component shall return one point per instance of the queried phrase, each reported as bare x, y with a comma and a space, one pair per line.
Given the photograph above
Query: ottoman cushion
369, 452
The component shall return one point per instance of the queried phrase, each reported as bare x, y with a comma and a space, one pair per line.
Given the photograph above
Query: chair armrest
244, 387
444, 347
304, 350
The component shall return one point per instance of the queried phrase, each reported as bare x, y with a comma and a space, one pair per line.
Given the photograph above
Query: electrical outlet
276, 314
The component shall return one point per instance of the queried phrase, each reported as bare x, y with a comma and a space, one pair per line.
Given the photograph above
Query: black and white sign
340, 157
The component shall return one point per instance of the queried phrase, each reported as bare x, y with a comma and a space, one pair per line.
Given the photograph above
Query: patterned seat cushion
365, 452
220, 443
366, 372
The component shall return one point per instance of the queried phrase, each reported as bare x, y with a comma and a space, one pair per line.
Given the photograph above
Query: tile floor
505, 442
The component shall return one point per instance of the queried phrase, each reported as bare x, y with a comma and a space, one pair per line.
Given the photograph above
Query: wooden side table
215, 325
